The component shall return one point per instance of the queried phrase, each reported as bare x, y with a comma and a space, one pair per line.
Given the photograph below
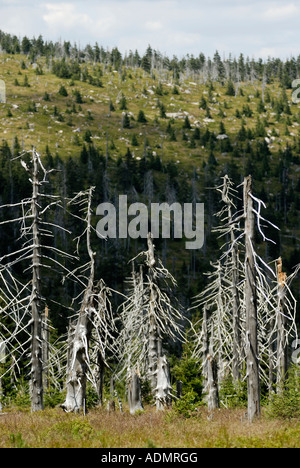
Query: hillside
43, 109
183, 125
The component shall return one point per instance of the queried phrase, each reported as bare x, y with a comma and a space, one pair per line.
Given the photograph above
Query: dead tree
227, 198
24, 304
163, 390
36, 308
46, 347
135, 393
217, 299
205, 348
282, 357
285, 322
94, 324
79, 341
103, 336
253, 381
222, 296
261, 302
264, 304
148, 317
212, 384
2, 362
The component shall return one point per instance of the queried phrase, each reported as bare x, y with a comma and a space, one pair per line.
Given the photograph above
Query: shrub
233, 395
53, 398
287, 403
187, 371
187, 405
77, 95
62, 91
22, 397
123, 103
141, 117
230, 91
46, 97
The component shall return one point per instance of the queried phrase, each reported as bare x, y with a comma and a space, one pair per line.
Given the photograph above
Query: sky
257, 28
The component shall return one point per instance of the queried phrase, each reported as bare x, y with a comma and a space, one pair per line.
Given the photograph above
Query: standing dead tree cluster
25, 324
148, 317
90, 334
23, 304
248, 308
218, 343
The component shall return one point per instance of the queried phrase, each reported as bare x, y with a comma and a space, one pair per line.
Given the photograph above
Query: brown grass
100, 429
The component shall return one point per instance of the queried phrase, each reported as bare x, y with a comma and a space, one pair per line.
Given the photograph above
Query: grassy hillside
38, 114
183, 126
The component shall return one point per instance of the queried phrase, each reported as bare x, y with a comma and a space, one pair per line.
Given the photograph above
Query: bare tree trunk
163, 389
205, 346
153, 330
253, 380
36, 344
1, 391
282, 357
46, 340
79, 353
153, 355
235, 316
234, 285
271, 357
100, 379
78, 364
2, 361
111, 405
134, 393
220, 358
212, 377
179, 384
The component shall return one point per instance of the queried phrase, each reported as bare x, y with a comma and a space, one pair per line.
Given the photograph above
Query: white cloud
64, 15
282, 51
281, 12
153, 25
173, 26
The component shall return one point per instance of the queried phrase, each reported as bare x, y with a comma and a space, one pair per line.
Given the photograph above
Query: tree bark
234, 286
134, 393
179, 384
79, 352
212, 384
271, 351
46, 340
205, 345
253, 381
282, 356
78, 363
163, 389
235, 316
36, 344
2, 361
100, 377
153, 328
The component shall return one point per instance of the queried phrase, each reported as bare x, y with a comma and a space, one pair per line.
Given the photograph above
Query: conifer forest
138, 322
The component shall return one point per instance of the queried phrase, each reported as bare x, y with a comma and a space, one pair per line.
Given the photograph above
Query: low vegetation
100, 429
